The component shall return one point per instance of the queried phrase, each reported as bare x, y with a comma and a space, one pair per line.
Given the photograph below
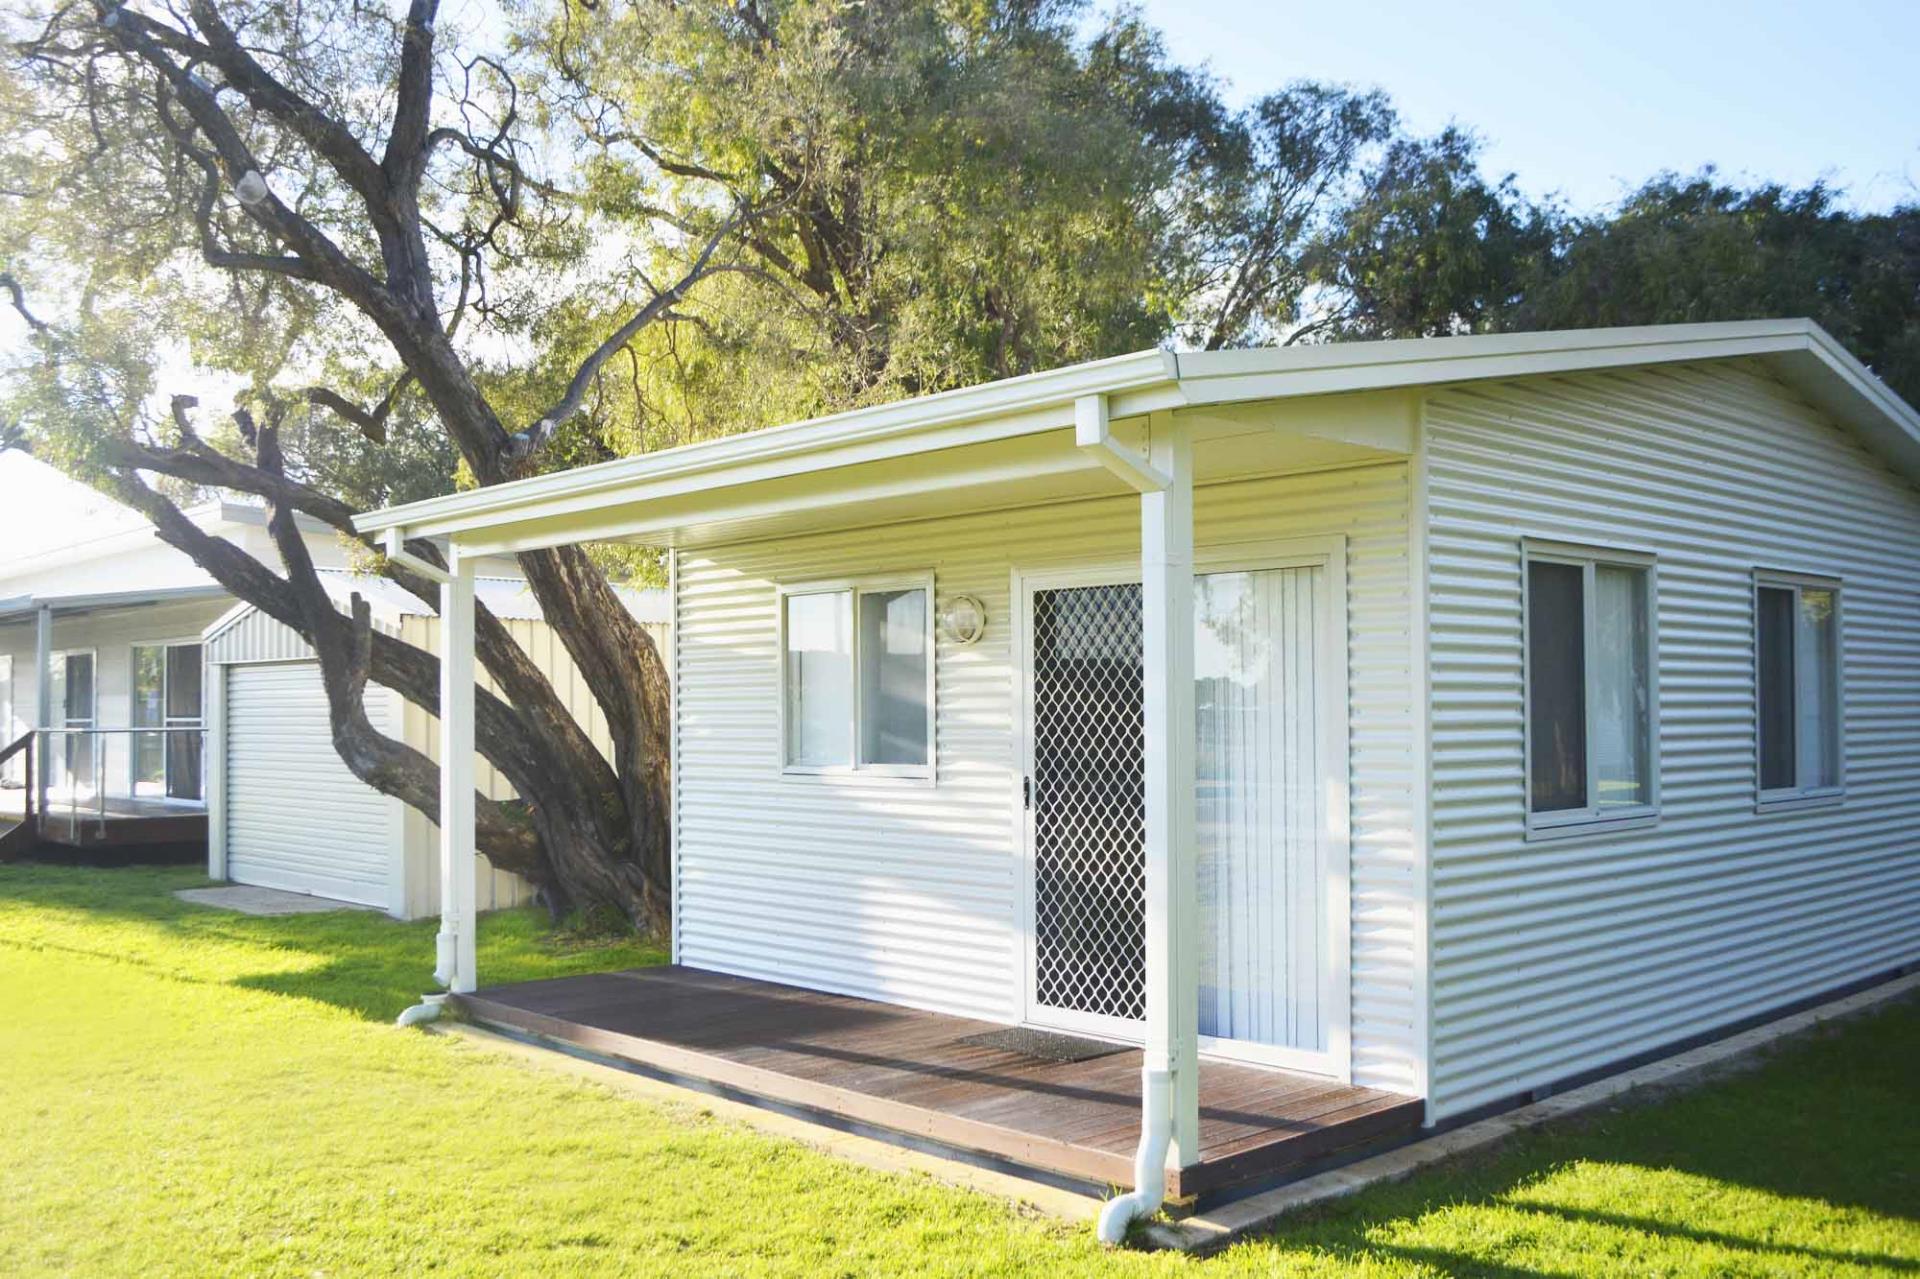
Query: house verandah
1008, 834
1097, 708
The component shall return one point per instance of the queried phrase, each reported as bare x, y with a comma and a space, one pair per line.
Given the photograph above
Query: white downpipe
397, 552
1149, 1159
1169, 1099
42, 709
455, 942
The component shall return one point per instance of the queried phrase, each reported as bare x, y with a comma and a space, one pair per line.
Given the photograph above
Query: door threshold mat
1047, 1045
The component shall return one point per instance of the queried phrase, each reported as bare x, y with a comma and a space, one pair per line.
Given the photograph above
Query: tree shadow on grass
1717, 1238
361, 961
1821, 1132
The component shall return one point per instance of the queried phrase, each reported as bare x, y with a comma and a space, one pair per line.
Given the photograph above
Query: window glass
183, 682
1774, 607
1621, 722
893, 677
819, 676
76, 689
1556, 679
149, 710
183, 711
1797, 673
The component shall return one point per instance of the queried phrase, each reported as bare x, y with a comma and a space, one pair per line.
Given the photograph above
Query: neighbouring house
284, 811
101, 673
1182, 768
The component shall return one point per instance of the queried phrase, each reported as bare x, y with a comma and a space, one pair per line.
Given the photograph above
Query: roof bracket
397, 552
1091, 433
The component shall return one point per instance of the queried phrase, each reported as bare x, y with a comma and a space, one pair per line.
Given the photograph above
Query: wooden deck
128, 822
908, 1073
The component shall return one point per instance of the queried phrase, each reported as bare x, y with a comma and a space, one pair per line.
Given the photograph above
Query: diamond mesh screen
1089, 801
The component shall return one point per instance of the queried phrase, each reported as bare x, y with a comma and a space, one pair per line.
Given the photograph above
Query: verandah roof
1006, 438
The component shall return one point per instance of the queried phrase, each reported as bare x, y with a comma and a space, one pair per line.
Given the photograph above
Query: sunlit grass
185, 1091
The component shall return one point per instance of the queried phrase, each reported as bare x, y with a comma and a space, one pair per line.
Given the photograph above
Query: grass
184, 1091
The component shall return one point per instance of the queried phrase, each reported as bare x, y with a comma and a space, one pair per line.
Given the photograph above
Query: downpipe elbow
430, 1008
1149, 1162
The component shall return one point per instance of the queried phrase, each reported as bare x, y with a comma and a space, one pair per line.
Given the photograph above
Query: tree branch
524, 444
371, 423
407, 149
19, 299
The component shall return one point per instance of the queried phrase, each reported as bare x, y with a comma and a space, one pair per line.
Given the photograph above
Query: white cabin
1453, 718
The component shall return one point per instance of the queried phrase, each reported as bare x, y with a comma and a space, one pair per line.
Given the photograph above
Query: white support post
1166, 575
213, 679
457, 913
43, 707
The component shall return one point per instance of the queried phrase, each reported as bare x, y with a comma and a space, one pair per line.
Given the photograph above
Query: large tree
360, 218
569, 232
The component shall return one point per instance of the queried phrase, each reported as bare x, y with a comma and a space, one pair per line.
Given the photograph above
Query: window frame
1787, 798
855, 588
1592, 819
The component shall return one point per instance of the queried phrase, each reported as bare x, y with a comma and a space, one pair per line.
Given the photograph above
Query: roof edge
1836, 381
1137, 371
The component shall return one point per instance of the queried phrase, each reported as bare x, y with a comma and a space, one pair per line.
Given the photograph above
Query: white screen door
1269, 709
1086, 807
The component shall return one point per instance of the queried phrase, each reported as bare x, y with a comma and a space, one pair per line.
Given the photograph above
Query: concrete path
262, 901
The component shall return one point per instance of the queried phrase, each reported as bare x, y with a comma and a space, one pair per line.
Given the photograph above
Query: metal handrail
98, 734
23, 744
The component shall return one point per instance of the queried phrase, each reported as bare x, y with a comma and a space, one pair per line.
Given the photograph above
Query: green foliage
1696, 248
954, 192
1432, 247
193, 1092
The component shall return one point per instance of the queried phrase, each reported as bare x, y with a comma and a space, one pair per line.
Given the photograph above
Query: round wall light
964, 619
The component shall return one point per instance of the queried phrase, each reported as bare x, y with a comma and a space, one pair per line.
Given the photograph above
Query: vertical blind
1819, 690
819, 678
1260, 814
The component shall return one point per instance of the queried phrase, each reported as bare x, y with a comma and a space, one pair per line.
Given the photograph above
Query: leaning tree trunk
588, 830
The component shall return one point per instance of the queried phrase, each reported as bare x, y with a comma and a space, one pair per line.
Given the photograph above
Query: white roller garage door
296, 818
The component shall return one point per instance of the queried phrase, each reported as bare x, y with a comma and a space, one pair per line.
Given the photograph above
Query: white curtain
1620, 703
1817, 690
893, 677
1260, 855
820, 678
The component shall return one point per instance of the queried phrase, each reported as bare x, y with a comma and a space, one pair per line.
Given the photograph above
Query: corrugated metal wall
255, 637
1558, 956
296, 818
909, 892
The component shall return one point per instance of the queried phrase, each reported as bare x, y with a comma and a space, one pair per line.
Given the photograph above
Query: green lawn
184, 1091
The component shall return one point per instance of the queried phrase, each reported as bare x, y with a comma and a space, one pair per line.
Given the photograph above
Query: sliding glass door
1261, 812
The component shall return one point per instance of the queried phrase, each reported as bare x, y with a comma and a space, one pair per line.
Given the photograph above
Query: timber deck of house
127, 822
909, 1074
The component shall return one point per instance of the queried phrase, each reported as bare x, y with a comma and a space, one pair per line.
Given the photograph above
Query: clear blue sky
1589, 99
1578, 99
